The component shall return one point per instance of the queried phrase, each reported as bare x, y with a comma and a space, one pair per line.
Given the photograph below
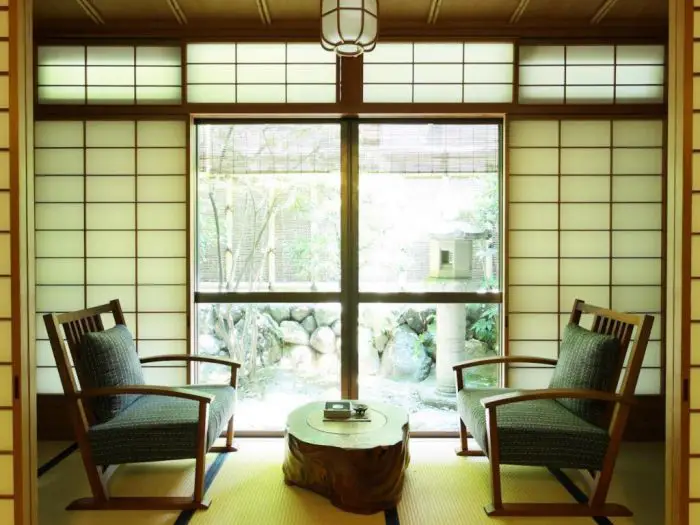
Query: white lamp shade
349, 27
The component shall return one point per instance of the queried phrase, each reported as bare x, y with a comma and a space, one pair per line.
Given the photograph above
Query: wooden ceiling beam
519, 11
176, 8
434, 11
264, 11
91, 11
603, 10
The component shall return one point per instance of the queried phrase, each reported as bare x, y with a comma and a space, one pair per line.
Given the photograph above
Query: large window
352, 259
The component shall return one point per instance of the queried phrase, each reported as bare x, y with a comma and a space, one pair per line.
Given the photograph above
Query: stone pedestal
449, 341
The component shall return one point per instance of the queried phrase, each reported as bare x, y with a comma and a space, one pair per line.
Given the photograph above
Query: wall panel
585, 221
116, 229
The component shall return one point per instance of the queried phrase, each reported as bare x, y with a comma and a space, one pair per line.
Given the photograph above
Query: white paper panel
533, 271
637, 216
387, 93
162, 298
59, 243
109, 134
585, 133
108, 188
534, 161
48, 381
6, 437
58, 134
576, 188
649, 382
162, 271
694, 442
6, 476
106, 216
167, 376
437, 93
109, 161
529, 378
585, 161
148, 348
58, 189
636, 298
631, 188
532, 188
58, 162
637, 244
636, 271
161, 134
533, 133
576, 216
535, 327
104, 294
585, 244
5, 341
5, 297
584, 271
638, 133
637, 161
60, 271
58, 216
596, 295
161, 161
488, 93
162, 326
161, 216
111, 271
59, 298
532, 299
533, 244
112, 244
198, 93
541, 95
162, 244
548, 349
533, 216
160, 188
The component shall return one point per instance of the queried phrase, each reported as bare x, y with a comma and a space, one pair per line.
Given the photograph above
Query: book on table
342, 411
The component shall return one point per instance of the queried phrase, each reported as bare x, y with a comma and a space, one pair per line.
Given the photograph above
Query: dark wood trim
391, 30
519, 11
602, 11
18, 379
374, 110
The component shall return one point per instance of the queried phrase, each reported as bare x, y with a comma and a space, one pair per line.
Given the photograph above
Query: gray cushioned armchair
576, 423
119, 419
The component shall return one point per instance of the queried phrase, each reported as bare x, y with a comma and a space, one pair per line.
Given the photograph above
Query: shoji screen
439, 72
110, 223
8, 322
260, 72
598, 74
585, 221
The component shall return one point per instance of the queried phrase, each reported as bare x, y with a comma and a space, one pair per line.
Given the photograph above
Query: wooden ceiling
110, 17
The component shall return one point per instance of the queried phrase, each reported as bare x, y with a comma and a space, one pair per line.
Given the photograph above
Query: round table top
386, 427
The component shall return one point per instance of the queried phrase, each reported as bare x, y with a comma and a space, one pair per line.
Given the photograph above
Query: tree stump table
359, 466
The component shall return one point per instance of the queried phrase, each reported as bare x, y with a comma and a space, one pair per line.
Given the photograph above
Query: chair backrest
74, 325
621, 326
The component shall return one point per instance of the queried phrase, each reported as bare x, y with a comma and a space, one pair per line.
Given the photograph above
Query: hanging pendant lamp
349, 27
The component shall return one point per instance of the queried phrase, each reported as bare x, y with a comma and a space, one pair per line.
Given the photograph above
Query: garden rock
336, 327
367, 354
208, 344
309, 324
293, 333
280, 313
404, 358
323, 340
326, 314
414, 320
299, 313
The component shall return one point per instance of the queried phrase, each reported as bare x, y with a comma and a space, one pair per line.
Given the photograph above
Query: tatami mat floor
246, 488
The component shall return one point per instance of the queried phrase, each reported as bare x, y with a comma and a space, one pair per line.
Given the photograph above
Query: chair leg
199, 472
464, 435
230, 446
497, 498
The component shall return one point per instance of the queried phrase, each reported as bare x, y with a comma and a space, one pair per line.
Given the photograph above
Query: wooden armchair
578, 422
118, 419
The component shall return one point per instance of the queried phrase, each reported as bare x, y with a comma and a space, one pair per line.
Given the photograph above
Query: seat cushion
587, 360
540, 432
108, 359
158, 428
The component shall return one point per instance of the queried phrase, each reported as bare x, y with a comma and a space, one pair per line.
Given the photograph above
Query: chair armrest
191, 358
503, 359
146, 390
552, 393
